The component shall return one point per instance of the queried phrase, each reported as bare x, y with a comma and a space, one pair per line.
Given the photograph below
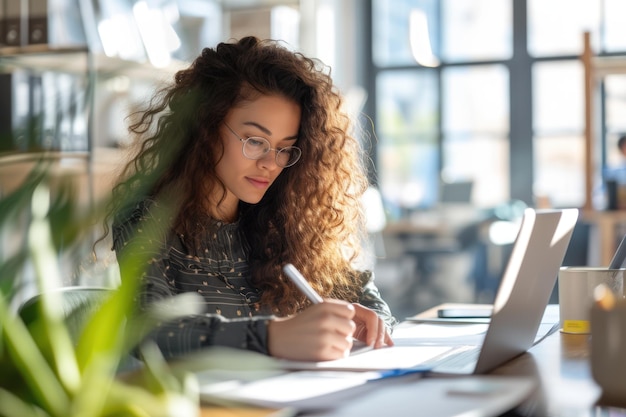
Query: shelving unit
66, 149
45, 58
80, 62
78, 95
595, 69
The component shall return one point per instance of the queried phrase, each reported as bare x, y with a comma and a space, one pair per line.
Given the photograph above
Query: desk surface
560, 366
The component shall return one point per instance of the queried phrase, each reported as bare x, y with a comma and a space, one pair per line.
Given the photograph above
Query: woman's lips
259, 182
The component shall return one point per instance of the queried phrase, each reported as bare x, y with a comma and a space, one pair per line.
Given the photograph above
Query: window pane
615, 27
391, 43
615, 90
556, 27
476, 99
476, 30
559, 170
483, 159
407, 101
407, 112
615, 102
558, 97
408, 172
476, 125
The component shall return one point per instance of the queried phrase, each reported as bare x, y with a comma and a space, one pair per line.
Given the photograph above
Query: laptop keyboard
458, 359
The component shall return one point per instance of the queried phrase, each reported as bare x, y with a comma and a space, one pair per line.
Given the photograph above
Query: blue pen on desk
299, 281
390, 373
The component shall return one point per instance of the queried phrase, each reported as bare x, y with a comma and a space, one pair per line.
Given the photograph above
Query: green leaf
12, 406
138, 401
45, 263
9, 270
105, 331
94, 393
15, 202
26, 356
51, 376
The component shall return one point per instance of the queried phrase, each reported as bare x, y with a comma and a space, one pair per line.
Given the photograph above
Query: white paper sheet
305, 390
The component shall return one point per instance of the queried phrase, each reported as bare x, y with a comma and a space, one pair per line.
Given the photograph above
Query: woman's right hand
321, 332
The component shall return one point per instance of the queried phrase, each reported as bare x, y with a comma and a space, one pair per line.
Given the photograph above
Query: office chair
79, 303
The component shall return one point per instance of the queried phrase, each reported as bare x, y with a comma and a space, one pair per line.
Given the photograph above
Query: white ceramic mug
576, 286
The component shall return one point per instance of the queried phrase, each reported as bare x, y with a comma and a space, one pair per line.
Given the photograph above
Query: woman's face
274, 118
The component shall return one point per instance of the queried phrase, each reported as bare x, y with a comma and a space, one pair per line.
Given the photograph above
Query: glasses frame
269, 148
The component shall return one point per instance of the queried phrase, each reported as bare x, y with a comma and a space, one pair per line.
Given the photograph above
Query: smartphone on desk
463, 313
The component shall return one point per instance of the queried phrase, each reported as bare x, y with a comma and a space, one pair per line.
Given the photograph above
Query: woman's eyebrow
267, 131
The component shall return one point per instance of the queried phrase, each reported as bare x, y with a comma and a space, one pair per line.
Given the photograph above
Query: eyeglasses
256, 147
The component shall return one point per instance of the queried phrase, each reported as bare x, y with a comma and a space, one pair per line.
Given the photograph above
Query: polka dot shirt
231, 314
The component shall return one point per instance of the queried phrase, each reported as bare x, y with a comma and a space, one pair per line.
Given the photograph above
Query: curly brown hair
311, 216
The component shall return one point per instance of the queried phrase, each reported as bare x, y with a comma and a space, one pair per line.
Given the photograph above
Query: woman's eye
256, 142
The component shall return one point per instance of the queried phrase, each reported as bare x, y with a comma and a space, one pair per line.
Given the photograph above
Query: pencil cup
608, 352
576, 286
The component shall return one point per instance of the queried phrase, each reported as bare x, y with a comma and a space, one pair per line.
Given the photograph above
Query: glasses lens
286, 157
255, 148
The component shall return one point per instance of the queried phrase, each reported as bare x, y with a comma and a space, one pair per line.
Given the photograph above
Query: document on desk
477, 396
228, 376
304, 390
415, 345
330, 393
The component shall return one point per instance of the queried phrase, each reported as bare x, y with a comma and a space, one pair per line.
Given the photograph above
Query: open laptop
518, 308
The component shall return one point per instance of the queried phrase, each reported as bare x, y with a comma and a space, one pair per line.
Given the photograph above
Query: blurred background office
471, 111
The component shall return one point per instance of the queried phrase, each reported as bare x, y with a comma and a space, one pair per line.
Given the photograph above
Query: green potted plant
49, 370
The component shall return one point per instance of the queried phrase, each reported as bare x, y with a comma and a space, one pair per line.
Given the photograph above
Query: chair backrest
79, 303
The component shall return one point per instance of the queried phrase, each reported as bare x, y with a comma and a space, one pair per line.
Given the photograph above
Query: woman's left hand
370, 329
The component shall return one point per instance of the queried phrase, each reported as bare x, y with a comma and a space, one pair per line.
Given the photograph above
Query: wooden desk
560, 366
214, 411
444, 221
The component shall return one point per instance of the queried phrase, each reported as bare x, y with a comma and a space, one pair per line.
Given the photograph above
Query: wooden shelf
603, 66
80, 61
595, 69
106, 66
67, 60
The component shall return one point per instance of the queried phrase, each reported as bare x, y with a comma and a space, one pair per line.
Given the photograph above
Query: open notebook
519, 306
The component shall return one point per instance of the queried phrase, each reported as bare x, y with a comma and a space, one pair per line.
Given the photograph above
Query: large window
449, 122
462, 96
475, 126
558, 125
476, 30
408, 137
558, 94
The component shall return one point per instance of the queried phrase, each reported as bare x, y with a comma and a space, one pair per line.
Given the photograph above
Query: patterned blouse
232, 315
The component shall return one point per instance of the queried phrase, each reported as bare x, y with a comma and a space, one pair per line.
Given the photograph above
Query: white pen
303, 285
296, 277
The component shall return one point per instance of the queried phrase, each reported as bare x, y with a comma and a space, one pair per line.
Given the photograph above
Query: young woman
251, 148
